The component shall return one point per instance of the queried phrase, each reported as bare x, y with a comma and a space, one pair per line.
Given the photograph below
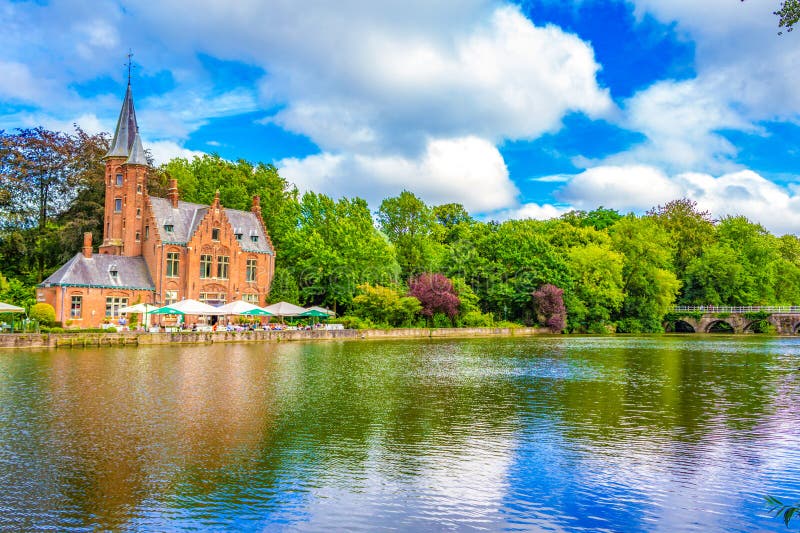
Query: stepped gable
187, 217
97, 271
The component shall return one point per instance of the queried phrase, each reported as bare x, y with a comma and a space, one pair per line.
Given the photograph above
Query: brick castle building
158, 250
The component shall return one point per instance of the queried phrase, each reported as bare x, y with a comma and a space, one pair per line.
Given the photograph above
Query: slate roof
187, 217
137, 156
132, 273
126, 130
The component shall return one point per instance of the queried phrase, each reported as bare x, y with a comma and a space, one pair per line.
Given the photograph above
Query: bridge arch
683, 326
720, 325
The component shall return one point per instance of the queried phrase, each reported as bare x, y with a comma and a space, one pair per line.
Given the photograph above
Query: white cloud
639, 188
18, 84
619, 187
681, 121
163, 151
467, 170
499, 78
530, 210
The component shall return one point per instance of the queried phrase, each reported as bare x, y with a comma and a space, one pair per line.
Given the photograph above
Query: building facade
158, 250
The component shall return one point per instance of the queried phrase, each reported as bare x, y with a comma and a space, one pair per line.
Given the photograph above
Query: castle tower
126, 186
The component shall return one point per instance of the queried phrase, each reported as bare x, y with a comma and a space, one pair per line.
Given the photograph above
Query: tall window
147, 232
250, 298
250, 273
222, 266
215, 234
119, 180
173, 264
75, 307
205, 266
170, 297
117, 205
114, 304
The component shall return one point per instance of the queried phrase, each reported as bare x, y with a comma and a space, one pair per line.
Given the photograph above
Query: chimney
172, 194
87, 245
257, 206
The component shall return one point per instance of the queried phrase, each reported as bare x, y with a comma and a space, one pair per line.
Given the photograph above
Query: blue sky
515, 109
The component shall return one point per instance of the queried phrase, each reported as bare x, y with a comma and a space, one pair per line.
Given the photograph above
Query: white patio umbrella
238, 307
187, 307
144, 309
8, 308
285, 309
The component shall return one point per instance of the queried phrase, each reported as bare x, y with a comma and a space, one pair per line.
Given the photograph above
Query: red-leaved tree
549, 301
436, 294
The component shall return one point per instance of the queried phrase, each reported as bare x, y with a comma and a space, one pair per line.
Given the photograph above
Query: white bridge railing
731, 309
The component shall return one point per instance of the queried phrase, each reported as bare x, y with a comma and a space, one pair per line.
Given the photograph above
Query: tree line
410, 263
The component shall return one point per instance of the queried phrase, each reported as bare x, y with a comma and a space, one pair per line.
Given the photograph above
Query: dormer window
254, 238
238, 236
169, 228
112, 270
215, 234
119, 180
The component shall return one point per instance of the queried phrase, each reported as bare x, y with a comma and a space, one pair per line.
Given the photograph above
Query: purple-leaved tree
436, 294
549, 302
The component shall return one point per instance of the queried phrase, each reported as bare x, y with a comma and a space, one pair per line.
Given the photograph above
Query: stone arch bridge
709, 319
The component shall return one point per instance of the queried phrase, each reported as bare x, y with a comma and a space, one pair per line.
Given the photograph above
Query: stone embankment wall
61, 340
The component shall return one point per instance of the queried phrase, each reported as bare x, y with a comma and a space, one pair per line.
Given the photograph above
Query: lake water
676, 433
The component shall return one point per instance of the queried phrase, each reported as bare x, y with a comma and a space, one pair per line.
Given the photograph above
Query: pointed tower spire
127, 128
137, 156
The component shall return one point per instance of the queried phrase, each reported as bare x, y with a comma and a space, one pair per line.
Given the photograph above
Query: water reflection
557, 433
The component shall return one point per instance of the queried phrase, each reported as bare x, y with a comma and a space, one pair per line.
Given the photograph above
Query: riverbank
61, 340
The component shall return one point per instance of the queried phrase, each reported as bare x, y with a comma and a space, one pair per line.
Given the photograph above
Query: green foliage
355, 322
788, 14
475, 319
385, 306
756, 315
334, 248
43, 313
786, 512
409, 225
650, 287
284, 287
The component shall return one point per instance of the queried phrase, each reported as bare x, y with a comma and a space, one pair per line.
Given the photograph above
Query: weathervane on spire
129, 64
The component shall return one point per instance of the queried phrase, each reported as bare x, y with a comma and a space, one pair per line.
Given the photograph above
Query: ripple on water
551, 434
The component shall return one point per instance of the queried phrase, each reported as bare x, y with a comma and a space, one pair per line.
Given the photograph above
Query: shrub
43, 313
355, 322
550, 309
441, 320
436, 294
384, 305
476, 319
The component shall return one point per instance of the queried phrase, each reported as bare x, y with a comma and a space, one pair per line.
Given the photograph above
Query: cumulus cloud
467, 170
163, 151
530, 210
639, 188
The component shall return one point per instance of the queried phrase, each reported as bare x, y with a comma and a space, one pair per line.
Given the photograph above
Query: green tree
335, 248
409, 224
690, 230
598, 292
284, 287
650, 287
385, 306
